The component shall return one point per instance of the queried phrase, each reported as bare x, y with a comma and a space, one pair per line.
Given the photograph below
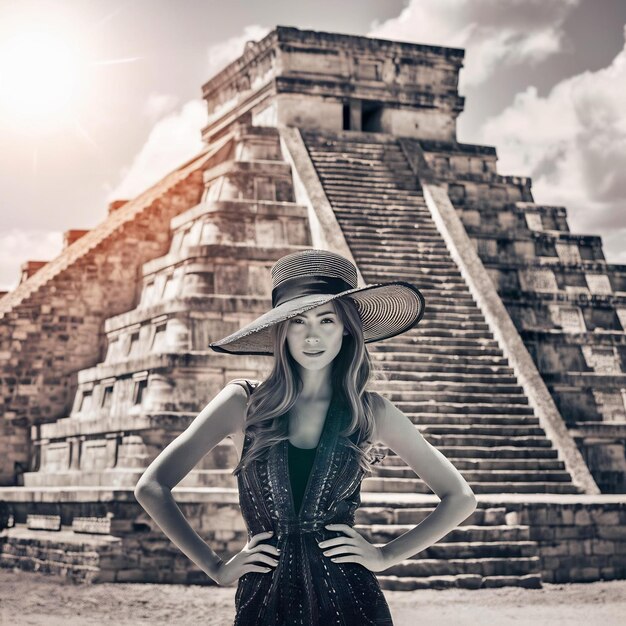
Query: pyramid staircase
448, 375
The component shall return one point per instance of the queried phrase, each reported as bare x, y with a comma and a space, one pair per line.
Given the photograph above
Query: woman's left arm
396, 431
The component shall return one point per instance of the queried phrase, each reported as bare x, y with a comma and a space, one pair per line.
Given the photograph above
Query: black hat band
306, 286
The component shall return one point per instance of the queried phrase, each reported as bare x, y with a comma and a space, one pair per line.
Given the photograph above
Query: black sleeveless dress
306, 587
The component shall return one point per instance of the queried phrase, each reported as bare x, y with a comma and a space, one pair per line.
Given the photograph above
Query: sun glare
39, 79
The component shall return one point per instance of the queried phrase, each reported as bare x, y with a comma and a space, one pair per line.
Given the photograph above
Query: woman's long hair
266, 418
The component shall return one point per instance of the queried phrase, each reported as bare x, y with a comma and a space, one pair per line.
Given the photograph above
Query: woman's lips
314, 353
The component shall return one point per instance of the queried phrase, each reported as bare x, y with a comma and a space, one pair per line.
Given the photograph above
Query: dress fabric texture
306, 587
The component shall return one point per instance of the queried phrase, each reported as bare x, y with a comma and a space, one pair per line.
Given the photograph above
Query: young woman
303, 436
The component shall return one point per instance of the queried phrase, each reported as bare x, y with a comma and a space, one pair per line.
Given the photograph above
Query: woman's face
319, 329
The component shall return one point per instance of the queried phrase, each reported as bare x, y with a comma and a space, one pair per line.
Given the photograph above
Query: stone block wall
566, 301
579, 541
51, 325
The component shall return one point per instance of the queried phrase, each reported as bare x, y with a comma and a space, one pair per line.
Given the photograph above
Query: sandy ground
29, 598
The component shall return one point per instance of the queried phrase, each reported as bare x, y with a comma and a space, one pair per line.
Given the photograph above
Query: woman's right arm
223, 416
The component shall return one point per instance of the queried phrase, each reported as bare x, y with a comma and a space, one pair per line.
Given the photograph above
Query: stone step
393, 257
480, 516
394, 366
481, 429
420, 358
330, 161
414, 485
455, 393
428, 257
427, 262
490, 464
462, 581
413, 271
459, 301
361, 166
383, 163
433, 283
392, 223
413, 267
440, 345
467, 404
451, 347
519, 441
400, 188
482, 334
477, 322
346, 208
384, 533
446, 369
470, 319
349, 208
459, 377
397, 482
400, 235
436, 384
406, 226
418, 230
360, 154
422, 419
423, 280
117, 478
435, 252
437, 331
335, 179
444, 305
487, 566
415, 256
502, 452
366, 182
404, 197
365, 152
479, 549
389, 259
482, 476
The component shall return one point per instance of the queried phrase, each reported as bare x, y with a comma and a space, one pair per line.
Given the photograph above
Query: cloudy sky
100, 98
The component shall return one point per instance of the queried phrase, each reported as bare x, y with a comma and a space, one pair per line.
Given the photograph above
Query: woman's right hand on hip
252, 558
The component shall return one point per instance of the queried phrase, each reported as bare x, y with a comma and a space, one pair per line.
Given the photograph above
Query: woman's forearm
448, 514
158, 502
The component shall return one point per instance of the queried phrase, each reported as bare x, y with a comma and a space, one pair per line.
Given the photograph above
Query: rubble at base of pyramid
347, 143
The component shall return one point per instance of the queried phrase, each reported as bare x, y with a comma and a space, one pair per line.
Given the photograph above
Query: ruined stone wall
52, 324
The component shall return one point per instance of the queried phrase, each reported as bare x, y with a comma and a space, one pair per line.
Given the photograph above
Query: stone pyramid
344, 143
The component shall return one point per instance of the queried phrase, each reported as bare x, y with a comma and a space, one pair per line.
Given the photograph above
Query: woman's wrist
212, 566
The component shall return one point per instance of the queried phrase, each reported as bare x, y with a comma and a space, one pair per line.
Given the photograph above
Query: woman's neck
316, 386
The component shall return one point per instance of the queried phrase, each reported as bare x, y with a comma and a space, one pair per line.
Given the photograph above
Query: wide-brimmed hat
307, 279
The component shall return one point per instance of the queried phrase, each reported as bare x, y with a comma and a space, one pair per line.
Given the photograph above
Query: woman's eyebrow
319, 314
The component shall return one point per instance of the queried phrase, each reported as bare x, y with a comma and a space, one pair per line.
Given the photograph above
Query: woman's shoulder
248, 385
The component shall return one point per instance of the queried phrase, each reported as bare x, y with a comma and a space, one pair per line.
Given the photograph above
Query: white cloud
172, 141
158, 104
41, 246
222, 53
572, 142
177, 137
506, 32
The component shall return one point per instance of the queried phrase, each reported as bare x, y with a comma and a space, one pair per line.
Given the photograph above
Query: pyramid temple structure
517, 372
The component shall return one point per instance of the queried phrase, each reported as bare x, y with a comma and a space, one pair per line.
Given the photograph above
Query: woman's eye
326, 319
